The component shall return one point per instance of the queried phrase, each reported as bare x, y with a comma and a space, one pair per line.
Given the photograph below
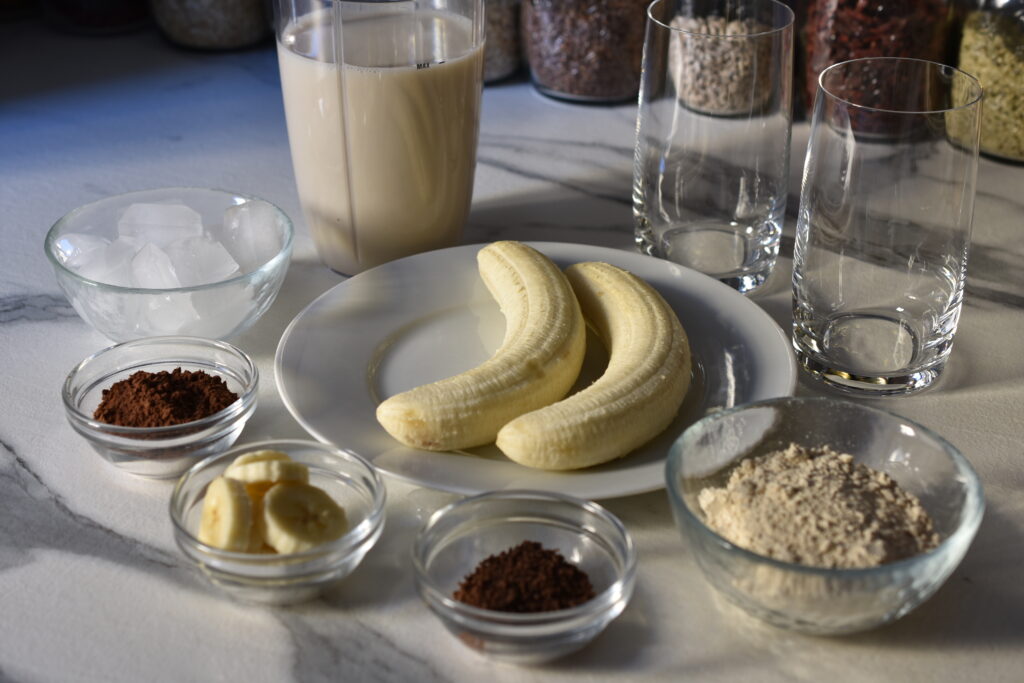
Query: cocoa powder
526, 578
160, 399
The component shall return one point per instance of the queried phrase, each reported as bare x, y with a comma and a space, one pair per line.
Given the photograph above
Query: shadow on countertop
53, 61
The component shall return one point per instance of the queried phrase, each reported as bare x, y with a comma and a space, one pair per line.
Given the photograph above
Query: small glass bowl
284, 579
217, 310
458, 537
160, 452
819, 600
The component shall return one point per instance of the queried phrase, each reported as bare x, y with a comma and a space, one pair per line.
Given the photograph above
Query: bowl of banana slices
279, 521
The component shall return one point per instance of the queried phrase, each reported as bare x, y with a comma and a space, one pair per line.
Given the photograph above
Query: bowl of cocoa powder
154, 407
822, 515
524, 576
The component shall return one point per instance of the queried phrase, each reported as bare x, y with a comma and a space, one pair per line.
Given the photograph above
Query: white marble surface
91, 585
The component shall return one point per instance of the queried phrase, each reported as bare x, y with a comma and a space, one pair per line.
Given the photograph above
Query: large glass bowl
458, 537
218, 310
352, 482
818, 600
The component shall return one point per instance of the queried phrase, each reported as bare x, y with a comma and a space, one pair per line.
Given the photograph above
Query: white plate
429, 316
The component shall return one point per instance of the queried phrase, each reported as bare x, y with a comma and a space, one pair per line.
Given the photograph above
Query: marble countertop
92, 587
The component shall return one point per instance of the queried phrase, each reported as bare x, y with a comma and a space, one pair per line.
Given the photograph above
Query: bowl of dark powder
524, 576
821, 515
154, 407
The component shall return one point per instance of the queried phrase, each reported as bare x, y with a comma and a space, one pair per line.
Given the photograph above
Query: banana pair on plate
263, 503
516, 398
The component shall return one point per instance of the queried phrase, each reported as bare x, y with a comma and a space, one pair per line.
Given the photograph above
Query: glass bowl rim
241, 405
486, 618
973, 508
735, 36
351, 540
979, 92
282, 254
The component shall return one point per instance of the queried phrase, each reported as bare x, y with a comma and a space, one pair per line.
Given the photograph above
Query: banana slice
297, 517
227, 518
536, 364
265, 470
638, 395
258, 456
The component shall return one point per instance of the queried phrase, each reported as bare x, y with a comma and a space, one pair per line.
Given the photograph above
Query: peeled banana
536, 364
638, 395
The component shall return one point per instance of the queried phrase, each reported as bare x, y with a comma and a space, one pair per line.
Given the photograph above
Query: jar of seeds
721, 65
585, 50
502, 50
992, 50
204, 25
839, 30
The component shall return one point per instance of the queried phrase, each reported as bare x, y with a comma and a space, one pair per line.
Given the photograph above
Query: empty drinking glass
885, 223
713, 129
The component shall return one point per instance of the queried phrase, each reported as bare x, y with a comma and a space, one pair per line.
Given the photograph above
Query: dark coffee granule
526, 578
160, 399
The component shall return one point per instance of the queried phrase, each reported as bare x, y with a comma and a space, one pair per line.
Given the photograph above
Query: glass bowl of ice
171, 261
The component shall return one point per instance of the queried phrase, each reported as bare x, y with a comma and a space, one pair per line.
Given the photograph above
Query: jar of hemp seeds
992, 50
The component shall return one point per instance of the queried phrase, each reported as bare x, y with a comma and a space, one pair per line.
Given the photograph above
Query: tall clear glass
885, 223
710, 172
383, 107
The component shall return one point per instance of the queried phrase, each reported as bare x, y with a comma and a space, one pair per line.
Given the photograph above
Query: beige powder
814, 506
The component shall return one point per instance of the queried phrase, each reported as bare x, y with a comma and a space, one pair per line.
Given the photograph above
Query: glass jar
992, 50
204, 25
585, 50
839, 30
502, 49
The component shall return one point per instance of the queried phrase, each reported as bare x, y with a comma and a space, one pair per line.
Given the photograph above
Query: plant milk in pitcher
384, 148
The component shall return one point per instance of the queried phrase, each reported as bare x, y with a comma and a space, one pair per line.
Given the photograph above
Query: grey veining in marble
34, 517
34, 307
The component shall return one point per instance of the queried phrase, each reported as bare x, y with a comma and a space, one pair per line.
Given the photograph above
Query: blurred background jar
585, 50
502, 51
212, 24
992, 50
839, 30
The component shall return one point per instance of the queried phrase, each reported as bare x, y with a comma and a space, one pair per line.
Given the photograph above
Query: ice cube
159, 224
75, 249
112, 266
223, 311
252, 234
118, 314
200, 261
152, 269
170, 314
